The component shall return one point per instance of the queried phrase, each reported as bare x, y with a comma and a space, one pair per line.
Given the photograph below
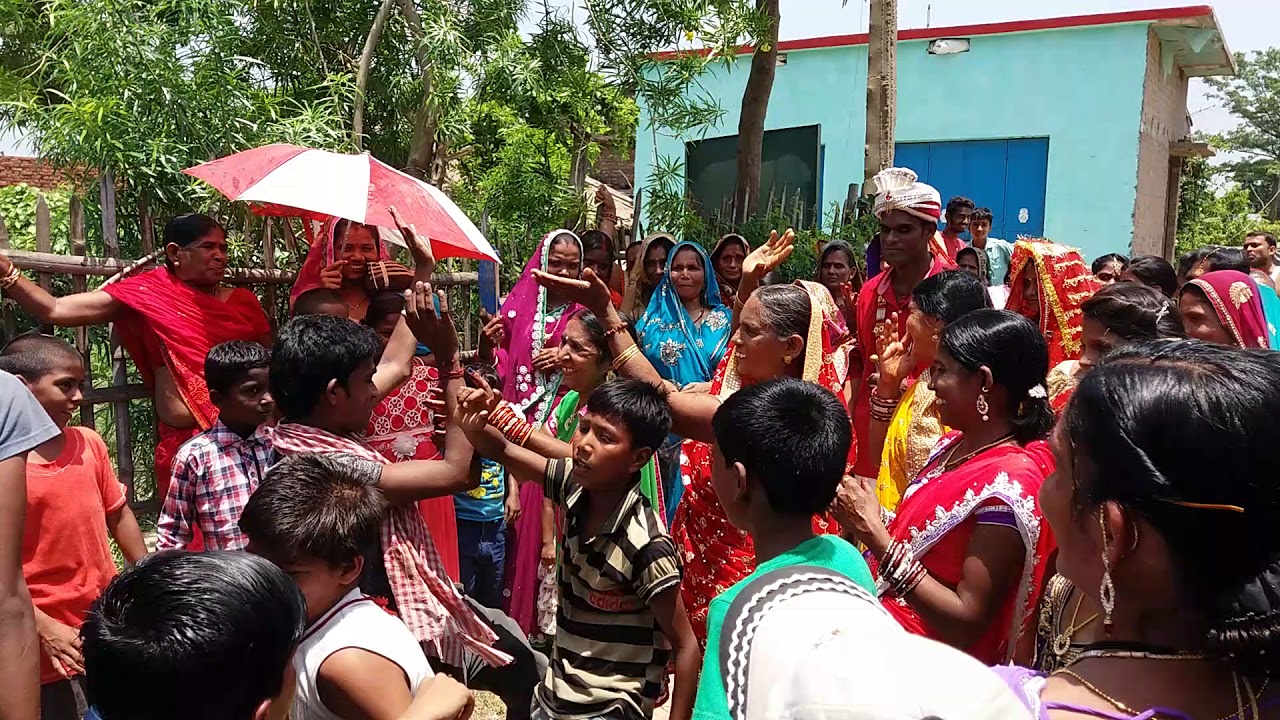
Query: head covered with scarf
1063, 282
323, 252
728, 288
1237, 301
638, 292
682, 351
530, 326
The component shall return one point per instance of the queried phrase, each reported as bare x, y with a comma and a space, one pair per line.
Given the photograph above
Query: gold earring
1107, 592
982, 406
786, 359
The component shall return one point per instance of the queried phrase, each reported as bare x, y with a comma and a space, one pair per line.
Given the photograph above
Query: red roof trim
1015, 26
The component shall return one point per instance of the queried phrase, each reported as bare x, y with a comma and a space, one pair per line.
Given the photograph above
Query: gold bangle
621, 361
10, 278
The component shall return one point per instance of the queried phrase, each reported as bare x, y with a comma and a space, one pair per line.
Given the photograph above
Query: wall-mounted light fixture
948, 46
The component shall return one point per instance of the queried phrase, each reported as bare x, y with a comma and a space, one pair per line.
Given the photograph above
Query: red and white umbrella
291, 181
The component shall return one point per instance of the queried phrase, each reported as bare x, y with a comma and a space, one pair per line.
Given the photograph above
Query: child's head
780, 449
166, 629
315, 519
486, 371
320, 301
322, 372
237, 374
384, 313
51, 369
625, 423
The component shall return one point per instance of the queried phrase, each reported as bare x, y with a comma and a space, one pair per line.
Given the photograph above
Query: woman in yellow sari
905, 424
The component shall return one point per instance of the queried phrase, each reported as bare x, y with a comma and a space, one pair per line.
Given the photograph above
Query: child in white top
318, 521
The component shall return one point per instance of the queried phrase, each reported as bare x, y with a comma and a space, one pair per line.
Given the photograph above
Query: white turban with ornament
900, 189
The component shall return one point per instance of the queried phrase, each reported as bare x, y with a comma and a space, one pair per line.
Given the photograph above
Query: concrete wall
1081, 87
1164, 121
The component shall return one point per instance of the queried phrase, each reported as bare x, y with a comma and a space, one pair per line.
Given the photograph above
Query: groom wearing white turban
908, 211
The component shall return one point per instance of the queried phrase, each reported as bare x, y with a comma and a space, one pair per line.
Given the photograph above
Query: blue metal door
1007, 176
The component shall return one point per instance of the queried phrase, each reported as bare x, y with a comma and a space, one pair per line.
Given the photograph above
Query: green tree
1253, 96
1209, 215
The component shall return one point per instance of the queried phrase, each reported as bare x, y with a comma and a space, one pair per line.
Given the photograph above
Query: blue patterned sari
683, 351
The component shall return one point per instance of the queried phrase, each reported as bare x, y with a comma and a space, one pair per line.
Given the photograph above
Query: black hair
660, 241
1271, 239
1102, 261
311, 301
1135, 312
787, 309
838, 246
773, 277
341, 228
595, 329
1226, 259
1154, 271
959, 202
1015, 352
982, 213
382, 304
33, 355
187, 229
1167, 423
311, 350
950, 294
564, 238
596, 239
229, 363
484, 370
1188, 261
792, 437
640, 407
313, 505
165, 628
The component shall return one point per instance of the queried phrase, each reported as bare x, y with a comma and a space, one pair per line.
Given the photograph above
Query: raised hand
435, 330
894, 359
331, 275
480, 398
491, 329
770, 255
424, 259
547, 360
857, 509
849, 299
590, 292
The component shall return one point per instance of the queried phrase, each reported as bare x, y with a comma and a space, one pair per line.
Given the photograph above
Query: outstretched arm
396, 364
86, 308
19, 649
690, 412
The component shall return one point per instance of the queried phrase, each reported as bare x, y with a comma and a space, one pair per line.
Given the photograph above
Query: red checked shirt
214, 474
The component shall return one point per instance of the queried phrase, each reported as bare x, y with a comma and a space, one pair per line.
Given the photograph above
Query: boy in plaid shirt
216, 471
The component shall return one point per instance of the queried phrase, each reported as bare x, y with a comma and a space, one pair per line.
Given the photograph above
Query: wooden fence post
75, 219
44, 243
269, 260
119, 363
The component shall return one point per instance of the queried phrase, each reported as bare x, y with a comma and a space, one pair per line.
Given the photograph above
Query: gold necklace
1236, 681
951, 464
1062, 641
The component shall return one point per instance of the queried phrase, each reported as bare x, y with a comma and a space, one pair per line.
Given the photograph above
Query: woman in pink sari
1224, 307
963, 560
533, 320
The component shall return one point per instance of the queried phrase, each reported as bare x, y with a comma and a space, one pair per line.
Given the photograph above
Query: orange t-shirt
66, 557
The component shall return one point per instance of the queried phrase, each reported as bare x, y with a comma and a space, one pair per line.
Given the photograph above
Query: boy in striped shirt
620, 616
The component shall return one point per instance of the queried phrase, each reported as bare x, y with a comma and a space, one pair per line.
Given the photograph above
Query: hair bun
1246, 619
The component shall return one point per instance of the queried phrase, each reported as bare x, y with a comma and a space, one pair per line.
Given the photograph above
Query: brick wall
15, 170
617, 172
1164, 121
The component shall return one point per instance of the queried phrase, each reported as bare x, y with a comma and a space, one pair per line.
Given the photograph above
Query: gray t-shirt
23, 423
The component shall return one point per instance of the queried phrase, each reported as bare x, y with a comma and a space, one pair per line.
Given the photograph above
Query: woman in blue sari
684, 333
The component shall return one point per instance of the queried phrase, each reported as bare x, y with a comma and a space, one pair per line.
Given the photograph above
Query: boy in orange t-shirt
73, 500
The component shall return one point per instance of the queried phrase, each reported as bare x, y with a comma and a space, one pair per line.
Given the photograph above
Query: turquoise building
1074, 128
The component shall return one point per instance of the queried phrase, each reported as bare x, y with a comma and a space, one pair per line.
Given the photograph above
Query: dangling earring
1106, 593
983, 408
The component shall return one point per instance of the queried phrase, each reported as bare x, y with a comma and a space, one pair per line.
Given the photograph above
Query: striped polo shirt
610, 653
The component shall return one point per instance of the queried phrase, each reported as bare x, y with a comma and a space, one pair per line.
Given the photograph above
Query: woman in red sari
782, 330
168, 318
403, 426
964, 559
339, 259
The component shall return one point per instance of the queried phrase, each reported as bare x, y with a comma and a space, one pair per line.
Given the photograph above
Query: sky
1247, 24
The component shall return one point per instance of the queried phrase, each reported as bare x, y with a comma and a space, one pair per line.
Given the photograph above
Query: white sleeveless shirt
355, 622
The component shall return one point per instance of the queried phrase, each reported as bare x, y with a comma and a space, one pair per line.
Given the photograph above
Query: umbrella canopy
292, 181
